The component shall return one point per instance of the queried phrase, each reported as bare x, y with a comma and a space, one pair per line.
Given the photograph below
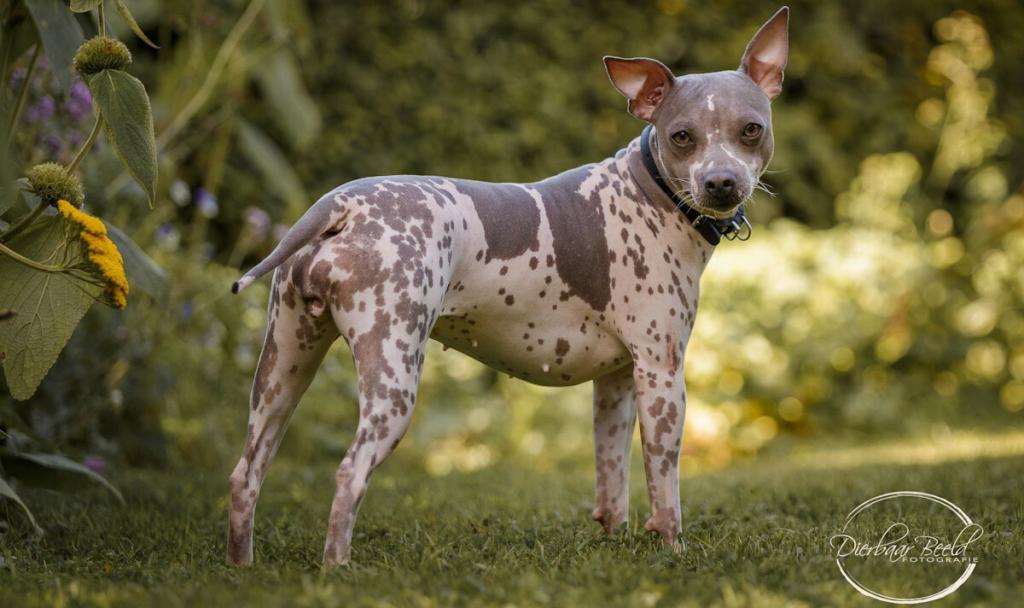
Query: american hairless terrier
588, 275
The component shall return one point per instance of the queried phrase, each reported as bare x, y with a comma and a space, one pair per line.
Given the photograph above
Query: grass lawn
757, 535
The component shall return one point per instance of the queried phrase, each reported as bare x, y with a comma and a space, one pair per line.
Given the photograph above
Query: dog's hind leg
388, 339
389, 369
292, 351
614, 421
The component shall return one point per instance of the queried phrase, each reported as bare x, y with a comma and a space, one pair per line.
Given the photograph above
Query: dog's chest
564, 280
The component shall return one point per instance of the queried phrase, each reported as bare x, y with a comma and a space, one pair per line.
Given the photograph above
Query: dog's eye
752, 130
682, 138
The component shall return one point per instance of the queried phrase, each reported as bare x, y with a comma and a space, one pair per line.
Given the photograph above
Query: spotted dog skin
590, 275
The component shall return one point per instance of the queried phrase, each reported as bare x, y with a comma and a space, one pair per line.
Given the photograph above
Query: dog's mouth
720, 208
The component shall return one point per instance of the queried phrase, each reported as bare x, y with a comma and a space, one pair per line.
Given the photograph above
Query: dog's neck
651, 195
645, 180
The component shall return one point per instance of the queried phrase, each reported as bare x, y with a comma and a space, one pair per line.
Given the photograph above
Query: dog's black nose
720, 184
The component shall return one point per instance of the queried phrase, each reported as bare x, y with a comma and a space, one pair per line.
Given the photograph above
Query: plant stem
23, 94
213, 75
85, 147
17, 257
202, 95
24, 222
6, 40
103, 21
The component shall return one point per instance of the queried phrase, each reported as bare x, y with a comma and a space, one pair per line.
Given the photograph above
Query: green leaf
124, 106
21, 36
277, 172
294, 109
122, 9
8, 492
49, 304
60, 463
11, 420
61, 36
7, 166
84, 6
142, 271
24, 199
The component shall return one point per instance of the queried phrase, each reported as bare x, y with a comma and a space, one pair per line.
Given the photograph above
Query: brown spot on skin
509, 215
319, 287
399, 202
657, 407
265, 367
577, 227
666, 523
561, 347
415, 314
368, 351
362, 261
289, 295
608, 519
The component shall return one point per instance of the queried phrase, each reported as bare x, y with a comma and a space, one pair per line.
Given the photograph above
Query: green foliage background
881, 293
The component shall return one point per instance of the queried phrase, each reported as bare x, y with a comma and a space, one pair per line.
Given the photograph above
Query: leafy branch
95, 266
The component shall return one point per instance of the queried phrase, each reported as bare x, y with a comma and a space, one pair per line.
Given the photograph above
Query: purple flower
258, 220
41, 110
167, 234
17, 77
206, 203
95, 463
54, 143
80, 91
79, 102
186, 311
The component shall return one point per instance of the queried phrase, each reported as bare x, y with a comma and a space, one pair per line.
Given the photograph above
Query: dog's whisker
763, 187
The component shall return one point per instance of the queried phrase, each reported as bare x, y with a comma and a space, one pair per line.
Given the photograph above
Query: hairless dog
590, 275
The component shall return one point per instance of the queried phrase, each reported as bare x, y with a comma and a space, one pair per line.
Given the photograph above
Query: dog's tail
311, 224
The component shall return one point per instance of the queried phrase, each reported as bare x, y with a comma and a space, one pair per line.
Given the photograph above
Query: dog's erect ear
766, 55
644, 82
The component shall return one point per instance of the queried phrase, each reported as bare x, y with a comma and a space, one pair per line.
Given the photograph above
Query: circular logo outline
863, 590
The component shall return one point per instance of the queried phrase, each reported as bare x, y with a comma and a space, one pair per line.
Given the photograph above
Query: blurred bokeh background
880, 296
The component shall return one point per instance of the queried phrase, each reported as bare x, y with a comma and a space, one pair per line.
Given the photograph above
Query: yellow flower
101, 251
88, 222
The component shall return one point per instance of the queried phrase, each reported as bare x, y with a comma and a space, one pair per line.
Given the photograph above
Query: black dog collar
712, 229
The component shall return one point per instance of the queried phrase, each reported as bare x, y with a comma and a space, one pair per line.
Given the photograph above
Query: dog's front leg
661, 402
614, 420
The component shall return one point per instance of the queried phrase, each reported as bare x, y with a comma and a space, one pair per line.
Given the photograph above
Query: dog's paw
608, 519
665, 523
239, 556
335, 559
239, 546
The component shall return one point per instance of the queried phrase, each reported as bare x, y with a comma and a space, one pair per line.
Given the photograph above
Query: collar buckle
735, 229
